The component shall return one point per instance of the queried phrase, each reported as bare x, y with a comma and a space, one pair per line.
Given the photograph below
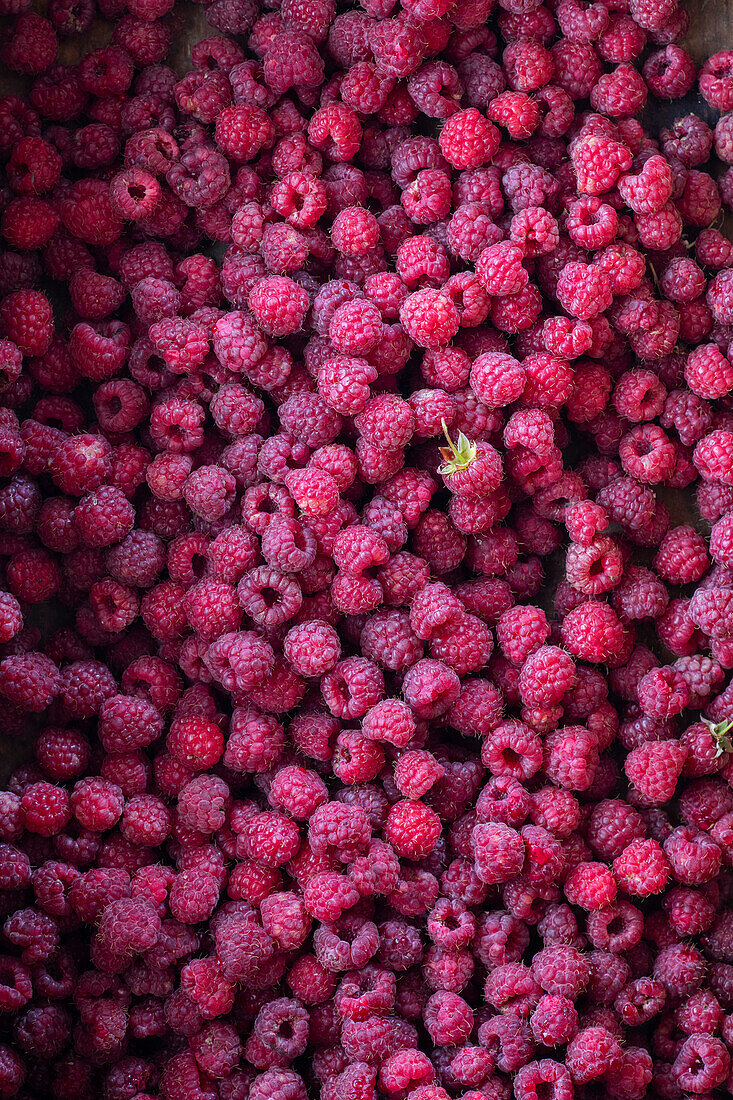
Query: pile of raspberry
379, 713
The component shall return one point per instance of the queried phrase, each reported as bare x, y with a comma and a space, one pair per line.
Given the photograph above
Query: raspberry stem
458, 455
720, 731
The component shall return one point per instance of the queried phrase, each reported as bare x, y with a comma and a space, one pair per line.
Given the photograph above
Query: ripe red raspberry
209, 492
146, 820
703, 1061
471, 470
270, 839
561, 970
29, 681
510, 749
355, 231
554, 1020
546, 676
612, 826
182, 344
682, 556
591, 886
127, 723
465, 644
103, 517
468, 140
278, 304
545, 1074
715, 81
97, 804
34, 166
239, 661
593, 1052
448, 1018
498, 851
571, 757
195, 742
620, 93
429, 318
638, 395
642, 868
242, 131
356, 328
598, 162
430, 687
45, 808
497, 379
517, 112
707, 372
640, 595
693, 855
212, 608
63, 754
663, 693
32, 45
26, 320
520, 631
654, 769
412, 828
592, 631
202, 803
500, 270
584, 291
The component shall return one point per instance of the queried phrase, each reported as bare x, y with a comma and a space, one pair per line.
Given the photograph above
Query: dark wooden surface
711, 30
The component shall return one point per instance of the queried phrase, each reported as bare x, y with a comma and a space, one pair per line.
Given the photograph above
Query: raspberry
195, 742
540, 1076
642, 868
694, 856
654, 769
554, 1020
281, 1083
278, 304
571, 757
412, 828
498, 852
546, 676
104, 517
96, 804
598, 162
29, 681
561, 971
612, 826
593, 1052
127, 723
270, 839
468, 140
429, 318
497, 379
26, 320
512, 749
312, 571
583, 291
715, 81
663, 693
592, 631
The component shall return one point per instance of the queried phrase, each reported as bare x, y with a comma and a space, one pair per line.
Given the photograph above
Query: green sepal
720, 732
458, 455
